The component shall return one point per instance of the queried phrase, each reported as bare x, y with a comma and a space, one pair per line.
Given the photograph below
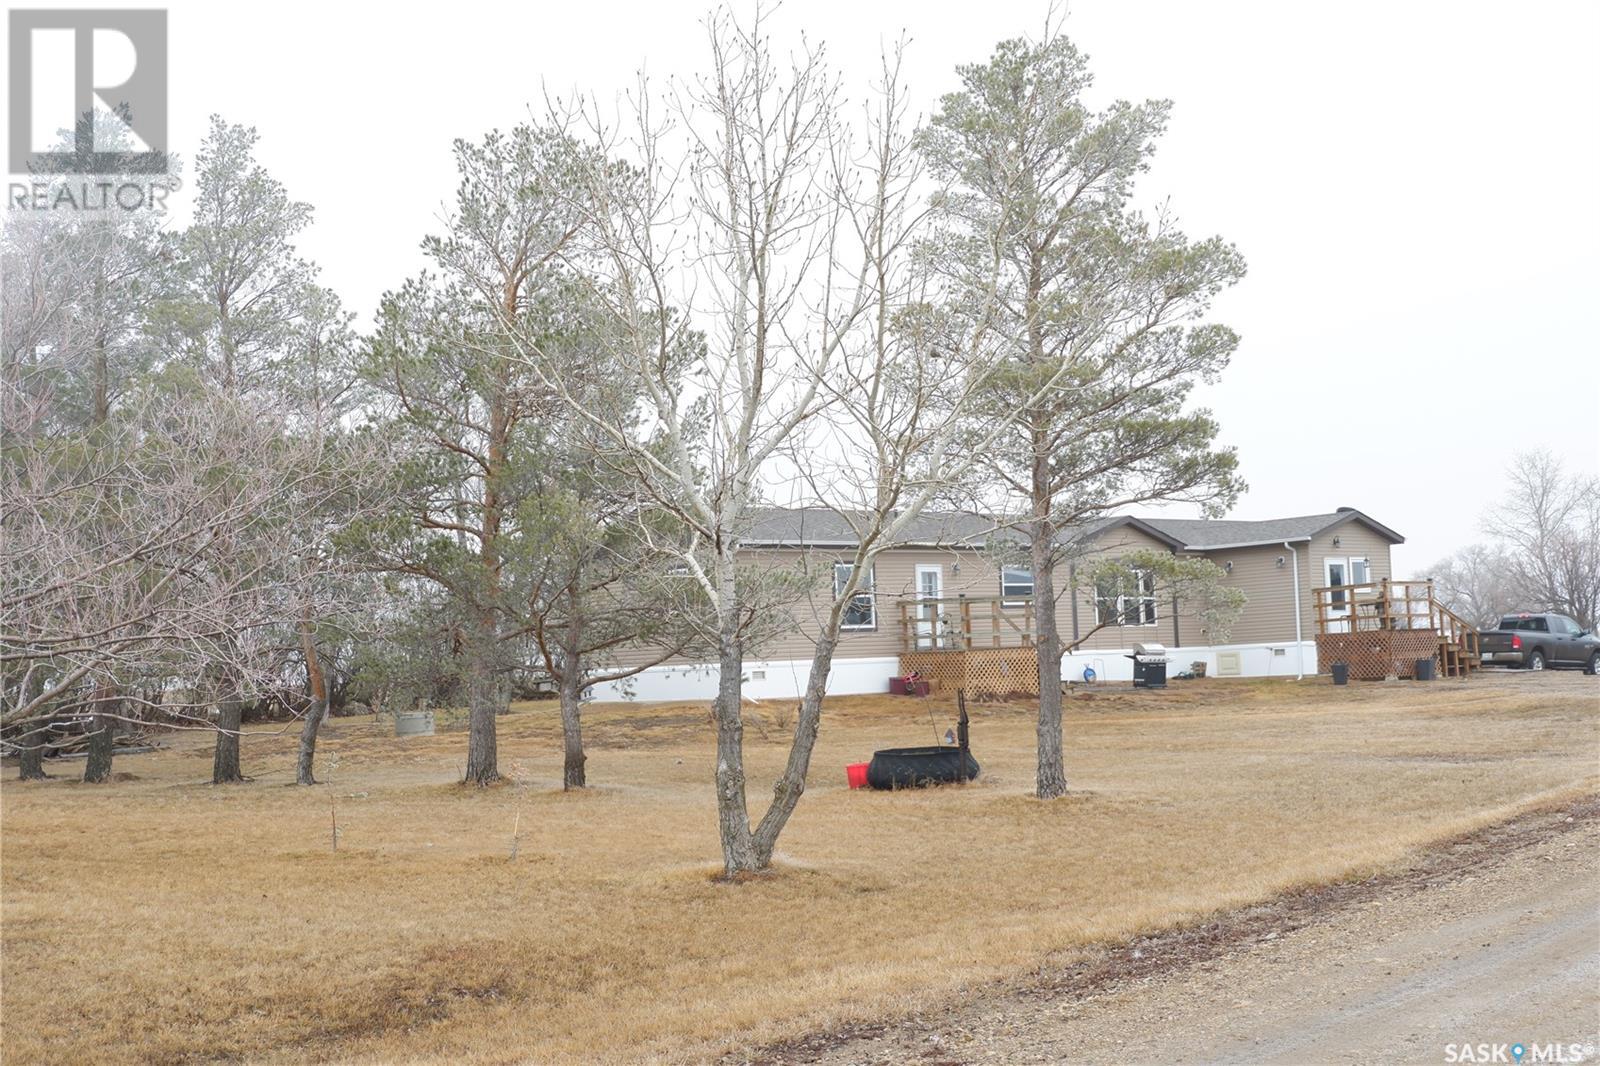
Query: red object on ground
856, 774
900, 686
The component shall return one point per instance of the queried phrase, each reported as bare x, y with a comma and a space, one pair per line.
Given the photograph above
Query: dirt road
1493, 940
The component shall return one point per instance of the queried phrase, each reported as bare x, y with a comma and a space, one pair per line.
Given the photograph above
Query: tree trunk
483, 699
1051, 778
30, 755
571, 688
1051, 782
317, 713
792, 785
225, 763
101, 400
97, 767
572, 775
739, 853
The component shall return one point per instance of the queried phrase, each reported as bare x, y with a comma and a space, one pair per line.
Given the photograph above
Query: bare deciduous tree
767, 304
160, 548
1478, 583
1545, 551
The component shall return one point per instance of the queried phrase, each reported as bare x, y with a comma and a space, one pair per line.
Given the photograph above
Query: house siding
1269, 593
1268, 617
1356, 540
894, 578
1112, 543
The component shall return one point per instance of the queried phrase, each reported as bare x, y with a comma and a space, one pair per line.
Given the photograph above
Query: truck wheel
1536, 660
1593, 666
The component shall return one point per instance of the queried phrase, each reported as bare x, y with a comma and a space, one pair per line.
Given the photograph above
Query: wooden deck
1382, 628
984, 645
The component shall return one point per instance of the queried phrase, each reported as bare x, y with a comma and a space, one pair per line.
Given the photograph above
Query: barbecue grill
1149, 666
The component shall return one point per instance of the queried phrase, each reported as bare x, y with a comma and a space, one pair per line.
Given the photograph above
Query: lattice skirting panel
982, 672
1377, 654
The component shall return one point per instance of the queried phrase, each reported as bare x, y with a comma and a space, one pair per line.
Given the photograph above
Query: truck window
1526, 625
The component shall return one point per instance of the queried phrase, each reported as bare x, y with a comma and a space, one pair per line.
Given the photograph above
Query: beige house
950, 582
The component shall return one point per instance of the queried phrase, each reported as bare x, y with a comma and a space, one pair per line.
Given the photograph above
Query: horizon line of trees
1542, 551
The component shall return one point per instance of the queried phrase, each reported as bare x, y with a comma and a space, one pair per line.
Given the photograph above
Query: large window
1126, 603
1016, 585
862, 611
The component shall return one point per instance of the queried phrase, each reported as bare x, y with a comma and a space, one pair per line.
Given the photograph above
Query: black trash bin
1341, 673
1423, 670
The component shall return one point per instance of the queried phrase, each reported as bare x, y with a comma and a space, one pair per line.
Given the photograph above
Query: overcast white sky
1416, 188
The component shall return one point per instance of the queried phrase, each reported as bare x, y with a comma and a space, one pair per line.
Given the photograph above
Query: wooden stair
1458, 642
1455, 659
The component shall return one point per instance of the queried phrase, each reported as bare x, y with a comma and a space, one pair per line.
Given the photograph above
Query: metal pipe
1299, 642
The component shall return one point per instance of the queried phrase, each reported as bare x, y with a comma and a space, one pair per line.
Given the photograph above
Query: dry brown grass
164, 920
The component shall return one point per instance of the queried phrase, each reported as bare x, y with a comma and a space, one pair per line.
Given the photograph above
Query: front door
1336, 572
930, 588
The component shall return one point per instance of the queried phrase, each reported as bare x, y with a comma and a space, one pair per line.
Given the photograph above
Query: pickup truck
1537, 641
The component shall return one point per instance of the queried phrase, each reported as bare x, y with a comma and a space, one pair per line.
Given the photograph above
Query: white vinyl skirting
786, 678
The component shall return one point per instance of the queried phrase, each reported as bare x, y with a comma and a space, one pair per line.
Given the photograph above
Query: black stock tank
919, 767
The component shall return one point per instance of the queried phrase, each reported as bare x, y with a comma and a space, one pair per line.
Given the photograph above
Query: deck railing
1374, 605
966, 623
1389, 604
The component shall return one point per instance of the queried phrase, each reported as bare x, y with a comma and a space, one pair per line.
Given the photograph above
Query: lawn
160, 919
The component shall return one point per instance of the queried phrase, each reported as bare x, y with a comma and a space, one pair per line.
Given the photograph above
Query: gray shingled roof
824, 527
1227, 533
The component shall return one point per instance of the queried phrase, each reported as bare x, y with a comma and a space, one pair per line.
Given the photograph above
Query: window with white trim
1016, 585
862, 610
1118, 603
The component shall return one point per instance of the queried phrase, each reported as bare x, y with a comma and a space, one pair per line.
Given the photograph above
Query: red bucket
856, 774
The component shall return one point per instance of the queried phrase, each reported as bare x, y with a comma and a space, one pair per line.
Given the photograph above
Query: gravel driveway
1493, 939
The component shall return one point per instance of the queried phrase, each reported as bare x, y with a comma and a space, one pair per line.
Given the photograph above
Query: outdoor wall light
1335, 542
1280, 562
955, 568
1227, 567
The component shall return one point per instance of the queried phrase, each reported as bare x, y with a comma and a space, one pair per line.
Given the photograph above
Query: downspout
1299, 642
1072, 579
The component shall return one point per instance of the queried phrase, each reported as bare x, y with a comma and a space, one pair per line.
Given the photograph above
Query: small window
862, 611
1016, 585
1133, 606
1145, 605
